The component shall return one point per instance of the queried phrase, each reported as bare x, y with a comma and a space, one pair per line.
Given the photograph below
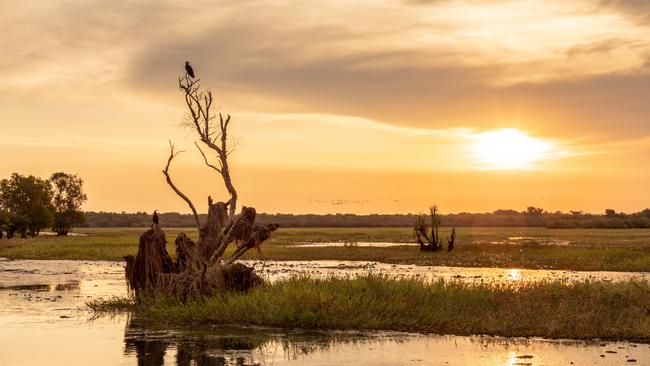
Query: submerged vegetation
585, 310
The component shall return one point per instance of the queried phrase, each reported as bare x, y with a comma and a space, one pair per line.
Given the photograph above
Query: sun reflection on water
512, 359
516, 359
514, 274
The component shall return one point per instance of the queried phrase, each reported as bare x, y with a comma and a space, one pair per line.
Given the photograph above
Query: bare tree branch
205, 159
172, 155
223, 157
258, 235
214, 137
234, 144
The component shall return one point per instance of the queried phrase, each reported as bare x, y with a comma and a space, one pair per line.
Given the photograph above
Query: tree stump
198, 269
142, 271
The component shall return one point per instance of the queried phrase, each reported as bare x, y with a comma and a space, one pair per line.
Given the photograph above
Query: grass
578, 259
96, 244
585, 310
587, 249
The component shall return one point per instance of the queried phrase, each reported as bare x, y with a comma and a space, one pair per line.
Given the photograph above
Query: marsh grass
589, 249
113, 304
585, 310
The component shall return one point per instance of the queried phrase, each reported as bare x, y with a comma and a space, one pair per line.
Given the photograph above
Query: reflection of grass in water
551, 309
590, 249
233, 345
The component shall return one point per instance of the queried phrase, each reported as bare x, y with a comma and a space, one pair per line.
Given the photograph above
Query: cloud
556, 68
605, 46
637, 10
364, 101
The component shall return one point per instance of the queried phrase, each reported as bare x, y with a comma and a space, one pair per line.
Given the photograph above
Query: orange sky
383, 106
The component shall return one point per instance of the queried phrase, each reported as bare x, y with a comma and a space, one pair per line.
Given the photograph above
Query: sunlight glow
508, 148
514, 274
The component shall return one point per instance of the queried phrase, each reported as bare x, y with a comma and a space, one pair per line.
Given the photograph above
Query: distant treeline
532, 216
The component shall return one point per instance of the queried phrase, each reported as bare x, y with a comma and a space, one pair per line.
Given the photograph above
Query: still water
43, 321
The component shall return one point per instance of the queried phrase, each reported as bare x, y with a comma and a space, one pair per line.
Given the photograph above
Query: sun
508, 148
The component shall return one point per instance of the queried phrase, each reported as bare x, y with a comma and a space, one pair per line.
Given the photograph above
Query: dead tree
427, 234
451, 240
202, 119
200, 268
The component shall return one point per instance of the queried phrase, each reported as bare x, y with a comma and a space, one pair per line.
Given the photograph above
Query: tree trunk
198, 270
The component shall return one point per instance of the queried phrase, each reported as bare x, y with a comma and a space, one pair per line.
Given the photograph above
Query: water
43, 321
512, 240
352, 244
274, 270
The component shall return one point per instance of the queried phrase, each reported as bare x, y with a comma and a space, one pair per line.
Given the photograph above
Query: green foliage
28, 202
556, 309
68, 196
534, 211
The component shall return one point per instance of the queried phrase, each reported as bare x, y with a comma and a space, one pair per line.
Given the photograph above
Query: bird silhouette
155, 218
189, 69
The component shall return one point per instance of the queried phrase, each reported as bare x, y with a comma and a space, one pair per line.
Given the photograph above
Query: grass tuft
585, 310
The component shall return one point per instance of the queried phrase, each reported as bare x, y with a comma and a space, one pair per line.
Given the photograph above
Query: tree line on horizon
29, 204
531, 217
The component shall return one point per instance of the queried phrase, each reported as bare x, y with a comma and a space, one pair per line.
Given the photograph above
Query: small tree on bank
68, 196
28, 203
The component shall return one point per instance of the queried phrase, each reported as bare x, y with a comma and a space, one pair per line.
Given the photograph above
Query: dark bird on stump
155, 218
189, 69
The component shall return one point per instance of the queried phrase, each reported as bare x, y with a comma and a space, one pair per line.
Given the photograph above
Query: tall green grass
553, 309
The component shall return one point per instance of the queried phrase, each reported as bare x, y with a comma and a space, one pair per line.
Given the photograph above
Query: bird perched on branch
155, 218
189, 69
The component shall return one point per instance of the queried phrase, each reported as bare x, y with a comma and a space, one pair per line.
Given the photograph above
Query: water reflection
262, 346
514, 275
41, 303
207, 347
98, 278
242, 346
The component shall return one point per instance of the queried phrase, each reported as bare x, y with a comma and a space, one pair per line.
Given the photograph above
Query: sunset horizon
472, 105
368, 183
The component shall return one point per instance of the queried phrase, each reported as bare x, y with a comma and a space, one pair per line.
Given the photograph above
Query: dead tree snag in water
200, 268
427, 235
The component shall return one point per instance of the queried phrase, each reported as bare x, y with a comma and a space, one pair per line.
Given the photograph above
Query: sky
337, 106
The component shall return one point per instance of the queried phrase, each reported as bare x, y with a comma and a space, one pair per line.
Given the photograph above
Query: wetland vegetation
533, 248
553, 309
